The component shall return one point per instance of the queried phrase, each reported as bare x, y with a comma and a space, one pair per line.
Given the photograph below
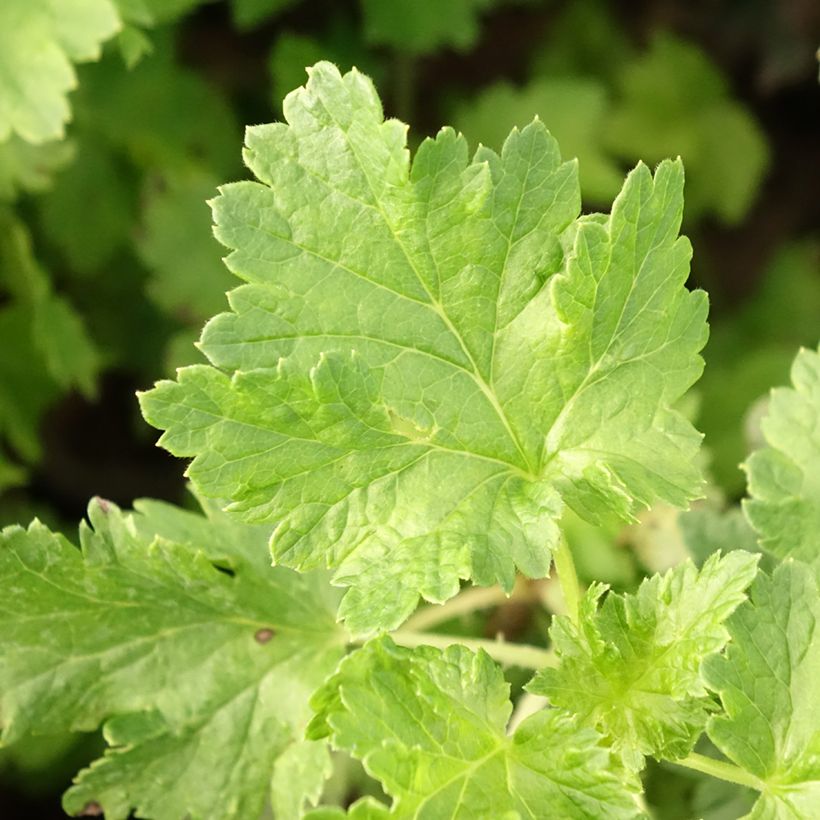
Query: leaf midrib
434, 303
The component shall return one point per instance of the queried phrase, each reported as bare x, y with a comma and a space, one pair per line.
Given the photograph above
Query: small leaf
631, 669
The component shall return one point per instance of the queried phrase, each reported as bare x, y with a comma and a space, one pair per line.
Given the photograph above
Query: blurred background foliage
119, 127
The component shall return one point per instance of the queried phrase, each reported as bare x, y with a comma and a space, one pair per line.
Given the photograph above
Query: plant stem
567, 578
471, 600
507, 654
722, 770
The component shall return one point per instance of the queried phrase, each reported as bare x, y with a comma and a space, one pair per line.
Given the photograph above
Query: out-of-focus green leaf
422, 26
188, 278
44, 342
40, 40
422, 407
249, 13
89, 213
161, 115
30, 168
574, 112
707, 529
673, 101
584, 41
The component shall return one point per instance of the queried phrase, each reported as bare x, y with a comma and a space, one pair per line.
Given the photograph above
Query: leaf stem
722, 770
507, 654
471, 600
567, 578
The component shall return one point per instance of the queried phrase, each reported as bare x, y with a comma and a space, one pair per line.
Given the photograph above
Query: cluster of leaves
142, 162
429, 366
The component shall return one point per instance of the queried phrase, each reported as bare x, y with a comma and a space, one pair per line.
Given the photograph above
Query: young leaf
431, 727
39, 41
89, 237
201, 676
632, 668
768, 684
784, 507
414, 381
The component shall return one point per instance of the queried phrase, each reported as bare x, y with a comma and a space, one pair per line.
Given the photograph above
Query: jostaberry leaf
198, 661
431, 726
631, 669
768, 684
428, 361
784, 478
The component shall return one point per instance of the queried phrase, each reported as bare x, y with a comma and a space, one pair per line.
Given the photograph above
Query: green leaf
39, 42
188, 278
784, 478
202, 676
573, 110
768, 685
674, 101
431, 727
190, 123
26, 389
416, 378
90, 236
707, 529
54, 330
422, 26
584, 40
299, 777
632, 668
250, 13
11, 475
29, 168
154, 12
69, 354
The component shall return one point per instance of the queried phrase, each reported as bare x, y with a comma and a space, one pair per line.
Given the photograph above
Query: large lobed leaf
202, 677
784, 478
631, 669
768, 684
429, 361
431, 726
